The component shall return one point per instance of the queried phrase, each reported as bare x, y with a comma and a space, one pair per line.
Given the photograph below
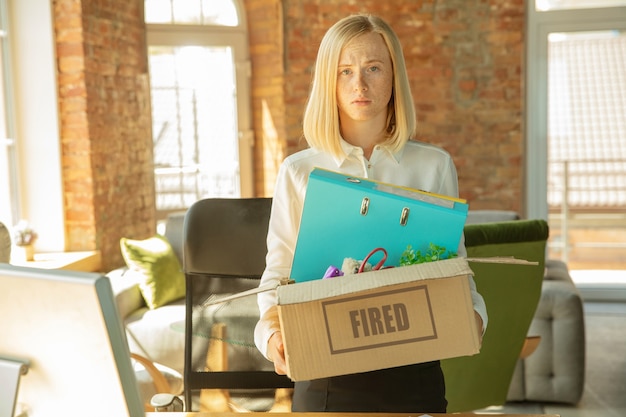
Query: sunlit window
586, 129
546, 5
194, 122
193, 48
192, 12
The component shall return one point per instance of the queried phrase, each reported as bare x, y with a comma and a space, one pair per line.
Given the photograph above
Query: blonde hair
321, 116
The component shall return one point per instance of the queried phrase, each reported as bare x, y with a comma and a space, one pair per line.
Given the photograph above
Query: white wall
37, 121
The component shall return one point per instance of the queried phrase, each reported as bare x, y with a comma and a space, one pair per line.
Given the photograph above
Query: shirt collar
349, 150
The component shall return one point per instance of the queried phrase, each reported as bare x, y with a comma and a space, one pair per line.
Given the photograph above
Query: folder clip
365, 205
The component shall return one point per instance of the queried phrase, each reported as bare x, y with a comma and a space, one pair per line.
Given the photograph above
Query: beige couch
154, 334
158, 334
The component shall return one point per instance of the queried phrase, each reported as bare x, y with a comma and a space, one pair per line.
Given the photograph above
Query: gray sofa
555, 372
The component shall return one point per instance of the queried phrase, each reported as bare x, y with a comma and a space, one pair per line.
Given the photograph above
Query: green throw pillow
163, 279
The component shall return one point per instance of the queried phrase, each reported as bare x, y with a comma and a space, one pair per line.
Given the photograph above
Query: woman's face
364, 79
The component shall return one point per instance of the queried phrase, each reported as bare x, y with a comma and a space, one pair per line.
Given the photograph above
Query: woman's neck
364, 134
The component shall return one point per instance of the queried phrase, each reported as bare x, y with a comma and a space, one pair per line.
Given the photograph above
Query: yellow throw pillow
163, 278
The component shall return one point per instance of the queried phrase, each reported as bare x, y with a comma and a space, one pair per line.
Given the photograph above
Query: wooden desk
88, 261
338, 415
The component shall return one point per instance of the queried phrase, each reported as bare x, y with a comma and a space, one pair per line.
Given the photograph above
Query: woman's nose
359, 82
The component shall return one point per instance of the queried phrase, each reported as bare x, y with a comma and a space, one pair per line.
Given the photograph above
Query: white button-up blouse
417, 165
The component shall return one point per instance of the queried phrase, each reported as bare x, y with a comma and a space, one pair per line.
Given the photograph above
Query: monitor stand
11, 369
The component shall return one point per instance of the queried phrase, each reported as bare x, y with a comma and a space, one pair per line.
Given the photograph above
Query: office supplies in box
378, 319
347, 217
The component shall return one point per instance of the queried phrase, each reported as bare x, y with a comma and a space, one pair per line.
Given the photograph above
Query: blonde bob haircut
321, 116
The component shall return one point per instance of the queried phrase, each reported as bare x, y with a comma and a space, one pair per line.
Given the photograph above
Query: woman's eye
345, 72
374, 69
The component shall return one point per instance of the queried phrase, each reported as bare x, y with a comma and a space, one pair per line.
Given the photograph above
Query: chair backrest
5, 244
511, 293
224, 253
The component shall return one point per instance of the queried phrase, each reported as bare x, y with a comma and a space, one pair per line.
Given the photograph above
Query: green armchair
511, 293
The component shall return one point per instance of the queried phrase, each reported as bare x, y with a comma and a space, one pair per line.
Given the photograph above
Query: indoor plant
24, 237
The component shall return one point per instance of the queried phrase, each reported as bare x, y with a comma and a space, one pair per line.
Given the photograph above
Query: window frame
539, 25
235, 37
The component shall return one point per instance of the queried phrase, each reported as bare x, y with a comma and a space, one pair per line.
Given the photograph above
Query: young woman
359, 120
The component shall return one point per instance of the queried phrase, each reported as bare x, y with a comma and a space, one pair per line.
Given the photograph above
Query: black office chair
224, 253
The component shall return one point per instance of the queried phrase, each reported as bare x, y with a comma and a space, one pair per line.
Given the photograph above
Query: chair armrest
160, 382
166, 397
530, 345
556, 270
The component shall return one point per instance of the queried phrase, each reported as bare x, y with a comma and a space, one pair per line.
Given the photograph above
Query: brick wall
106, 137
465, 64
464, 59
265, 26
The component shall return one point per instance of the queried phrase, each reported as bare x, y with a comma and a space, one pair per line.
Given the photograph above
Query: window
199, 71
545, 32
188, 12
575, 132
586, 124
546, 5
8, 179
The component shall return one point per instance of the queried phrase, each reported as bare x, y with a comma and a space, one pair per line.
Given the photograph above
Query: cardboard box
376, 320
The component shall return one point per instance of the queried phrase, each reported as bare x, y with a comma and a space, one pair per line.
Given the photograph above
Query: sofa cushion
162, 279
159, 334
125, 285
174, 233
490, 216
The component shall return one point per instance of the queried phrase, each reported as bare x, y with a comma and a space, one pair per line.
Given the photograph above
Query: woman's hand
276, 353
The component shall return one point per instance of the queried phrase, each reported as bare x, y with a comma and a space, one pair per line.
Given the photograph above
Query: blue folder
348, 217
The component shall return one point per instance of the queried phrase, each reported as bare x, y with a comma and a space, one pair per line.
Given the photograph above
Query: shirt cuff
267, 325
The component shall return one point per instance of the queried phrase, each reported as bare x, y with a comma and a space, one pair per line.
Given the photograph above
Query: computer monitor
66, 326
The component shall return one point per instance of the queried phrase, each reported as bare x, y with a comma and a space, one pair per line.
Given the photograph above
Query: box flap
324, 288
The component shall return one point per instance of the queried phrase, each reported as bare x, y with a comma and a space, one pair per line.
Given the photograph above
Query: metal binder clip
365, 204
404, 217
